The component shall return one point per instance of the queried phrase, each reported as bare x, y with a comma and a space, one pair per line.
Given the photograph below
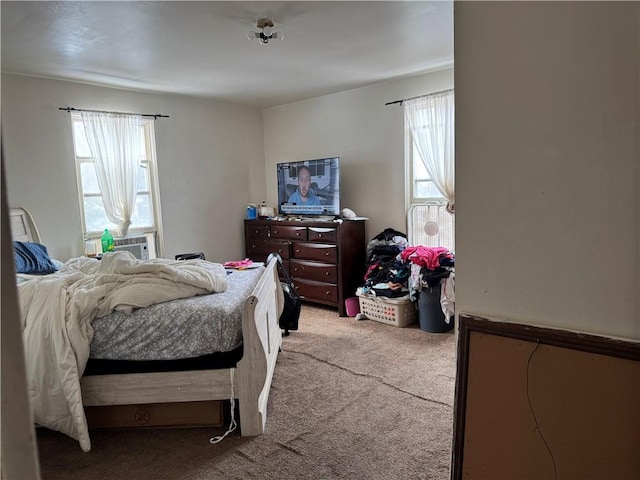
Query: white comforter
57, 311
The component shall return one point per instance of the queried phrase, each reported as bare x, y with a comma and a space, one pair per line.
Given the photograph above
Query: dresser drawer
315, 251
323, 234
257, 231
291, 233
316, 291
322, 272
259, 249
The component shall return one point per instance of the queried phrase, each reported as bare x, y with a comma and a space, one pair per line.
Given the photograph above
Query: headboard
23, 228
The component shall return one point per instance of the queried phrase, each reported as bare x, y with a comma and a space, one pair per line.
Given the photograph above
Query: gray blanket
183, 328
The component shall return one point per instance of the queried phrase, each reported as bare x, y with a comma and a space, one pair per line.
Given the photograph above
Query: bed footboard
262, 338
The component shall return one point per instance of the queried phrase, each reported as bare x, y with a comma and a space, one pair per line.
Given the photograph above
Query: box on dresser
325, 260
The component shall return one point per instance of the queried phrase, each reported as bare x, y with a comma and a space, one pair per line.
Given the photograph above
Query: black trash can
430, 313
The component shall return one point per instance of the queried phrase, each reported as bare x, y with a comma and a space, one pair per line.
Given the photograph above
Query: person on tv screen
303, 194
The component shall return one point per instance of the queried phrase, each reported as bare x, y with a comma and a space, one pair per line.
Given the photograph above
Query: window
145, 218
422, 188
428, 221
316, 169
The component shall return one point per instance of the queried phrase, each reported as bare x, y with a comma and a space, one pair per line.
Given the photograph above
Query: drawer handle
295, 269
327, 293
326, 254
326, 273
297, 234
319, 235
297, 250
275, 232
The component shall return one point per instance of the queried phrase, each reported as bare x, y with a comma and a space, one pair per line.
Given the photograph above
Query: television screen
309, 187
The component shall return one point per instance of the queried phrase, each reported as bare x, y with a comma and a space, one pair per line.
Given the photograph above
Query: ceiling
201, 48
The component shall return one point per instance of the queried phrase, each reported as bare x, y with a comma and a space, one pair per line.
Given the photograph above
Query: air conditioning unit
138, 246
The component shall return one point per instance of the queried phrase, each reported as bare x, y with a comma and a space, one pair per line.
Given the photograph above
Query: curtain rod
154, 115
420, 96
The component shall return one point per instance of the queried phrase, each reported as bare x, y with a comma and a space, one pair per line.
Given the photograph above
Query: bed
245, 373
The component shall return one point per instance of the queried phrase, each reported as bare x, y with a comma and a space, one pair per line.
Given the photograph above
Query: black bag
190, 256
292, 301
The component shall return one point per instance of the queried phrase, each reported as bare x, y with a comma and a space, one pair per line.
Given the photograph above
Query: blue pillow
32, 258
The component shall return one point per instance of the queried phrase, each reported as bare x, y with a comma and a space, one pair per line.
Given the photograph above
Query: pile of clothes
394, 269
429, 265
387, 274
432, 266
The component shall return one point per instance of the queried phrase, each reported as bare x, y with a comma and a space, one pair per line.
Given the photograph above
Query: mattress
179, 329
211, 361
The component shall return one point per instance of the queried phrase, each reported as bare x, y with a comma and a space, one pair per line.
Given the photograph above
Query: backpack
292, 300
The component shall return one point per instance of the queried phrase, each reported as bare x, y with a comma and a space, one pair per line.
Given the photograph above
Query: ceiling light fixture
266, 32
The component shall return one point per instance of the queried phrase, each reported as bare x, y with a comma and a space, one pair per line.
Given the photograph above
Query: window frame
410, 181
150, 164
414, 203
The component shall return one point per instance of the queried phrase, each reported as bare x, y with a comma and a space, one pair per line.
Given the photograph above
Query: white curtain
114, 140
431, 120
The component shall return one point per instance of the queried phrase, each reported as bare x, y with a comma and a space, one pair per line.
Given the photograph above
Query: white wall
211, 156
547, 154
367, 136
210, 163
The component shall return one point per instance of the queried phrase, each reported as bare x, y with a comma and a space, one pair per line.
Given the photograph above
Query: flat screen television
309, 187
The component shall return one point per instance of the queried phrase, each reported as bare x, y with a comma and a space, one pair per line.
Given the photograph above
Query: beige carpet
350, 400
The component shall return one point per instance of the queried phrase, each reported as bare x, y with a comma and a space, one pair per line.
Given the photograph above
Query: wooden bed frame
262, 338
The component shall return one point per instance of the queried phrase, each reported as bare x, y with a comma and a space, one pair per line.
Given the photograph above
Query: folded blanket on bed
57, 311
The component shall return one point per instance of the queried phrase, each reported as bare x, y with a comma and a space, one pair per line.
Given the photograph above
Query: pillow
32, 258
57, 263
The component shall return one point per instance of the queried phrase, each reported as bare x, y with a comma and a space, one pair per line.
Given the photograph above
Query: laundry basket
398, 312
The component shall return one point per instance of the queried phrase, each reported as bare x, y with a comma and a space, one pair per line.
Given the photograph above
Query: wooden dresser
325, 260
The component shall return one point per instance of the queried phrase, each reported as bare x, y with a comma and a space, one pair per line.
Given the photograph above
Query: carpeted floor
350, 400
